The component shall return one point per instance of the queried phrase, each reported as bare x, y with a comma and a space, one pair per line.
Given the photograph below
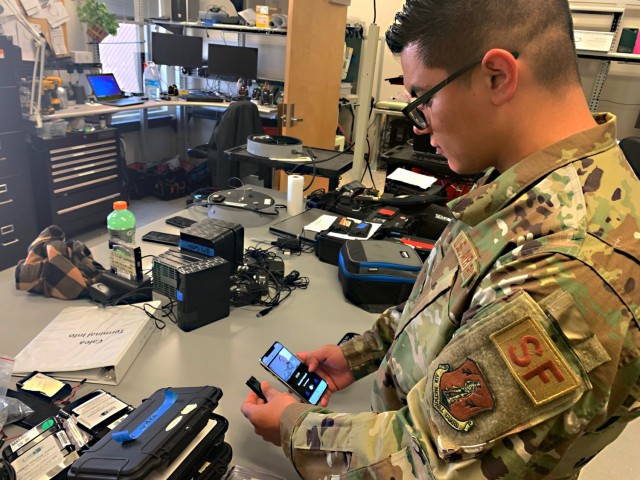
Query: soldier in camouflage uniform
516, 355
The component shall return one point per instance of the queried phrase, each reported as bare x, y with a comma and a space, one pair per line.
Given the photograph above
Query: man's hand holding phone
329, 362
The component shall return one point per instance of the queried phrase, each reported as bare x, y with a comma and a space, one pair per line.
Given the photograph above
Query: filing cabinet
17, 213
76, 179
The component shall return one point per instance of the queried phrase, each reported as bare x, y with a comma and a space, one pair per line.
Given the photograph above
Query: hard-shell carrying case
376, 274
209, 454
216, 464
156, 433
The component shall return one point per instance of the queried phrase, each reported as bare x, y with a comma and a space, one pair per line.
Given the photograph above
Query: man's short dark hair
451, 33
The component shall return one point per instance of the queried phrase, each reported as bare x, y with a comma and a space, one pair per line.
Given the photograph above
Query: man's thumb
268, 390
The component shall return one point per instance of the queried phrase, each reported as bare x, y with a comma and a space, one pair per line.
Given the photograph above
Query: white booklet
93, 343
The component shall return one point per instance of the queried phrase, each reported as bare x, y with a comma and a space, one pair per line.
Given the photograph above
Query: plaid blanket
56, 267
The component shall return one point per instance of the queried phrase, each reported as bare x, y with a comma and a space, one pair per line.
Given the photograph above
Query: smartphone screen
294, 373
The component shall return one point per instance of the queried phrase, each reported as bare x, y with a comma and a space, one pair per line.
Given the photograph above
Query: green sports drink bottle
121, 223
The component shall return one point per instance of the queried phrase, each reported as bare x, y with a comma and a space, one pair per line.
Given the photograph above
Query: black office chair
239, 121
630, 146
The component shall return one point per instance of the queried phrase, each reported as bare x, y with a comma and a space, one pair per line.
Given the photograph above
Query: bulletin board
58, 44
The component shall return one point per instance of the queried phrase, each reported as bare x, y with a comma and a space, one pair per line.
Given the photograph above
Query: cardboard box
593, 41
263, 15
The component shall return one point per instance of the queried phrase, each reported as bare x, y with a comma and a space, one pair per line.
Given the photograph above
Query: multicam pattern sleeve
517, 354
365, 352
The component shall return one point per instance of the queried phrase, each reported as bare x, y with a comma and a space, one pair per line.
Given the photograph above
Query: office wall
621, 93
622, 86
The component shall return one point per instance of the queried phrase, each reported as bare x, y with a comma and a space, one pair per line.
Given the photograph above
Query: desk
93, 109
224, 353
331, 169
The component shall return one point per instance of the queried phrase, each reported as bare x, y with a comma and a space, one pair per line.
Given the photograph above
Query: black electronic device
212, 237
348, 336
208, 97
79, 93
254, 385
176, 50
359, 230
200, 284
627, 40
161, 237
383, 214
112, 289
180, 222
231, 62
42, 409
43, 386
341, 225
293, 373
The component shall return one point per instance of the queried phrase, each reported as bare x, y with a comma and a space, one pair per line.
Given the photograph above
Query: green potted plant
99, 22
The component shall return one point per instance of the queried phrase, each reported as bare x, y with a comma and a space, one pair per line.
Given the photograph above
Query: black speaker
184, 10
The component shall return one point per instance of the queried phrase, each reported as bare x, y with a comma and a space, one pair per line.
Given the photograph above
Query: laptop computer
107, 91
294, 227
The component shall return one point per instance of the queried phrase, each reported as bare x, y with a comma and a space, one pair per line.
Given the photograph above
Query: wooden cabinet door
313, 71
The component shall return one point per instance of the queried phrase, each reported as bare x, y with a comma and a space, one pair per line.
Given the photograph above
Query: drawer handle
10, 243
6, 229
7, 202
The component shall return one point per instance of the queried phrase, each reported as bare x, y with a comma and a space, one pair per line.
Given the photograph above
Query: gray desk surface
225, 353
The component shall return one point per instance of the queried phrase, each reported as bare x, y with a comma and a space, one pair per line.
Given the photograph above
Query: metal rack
605, 58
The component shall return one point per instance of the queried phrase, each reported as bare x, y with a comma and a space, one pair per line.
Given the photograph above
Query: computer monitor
176, 50
232, 62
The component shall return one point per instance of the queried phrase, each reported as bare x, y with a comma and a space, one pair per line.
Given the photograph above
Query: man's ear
500, 68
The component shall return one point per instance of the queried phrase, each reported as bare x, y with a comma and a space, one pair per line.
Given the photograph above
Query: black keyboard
204, 97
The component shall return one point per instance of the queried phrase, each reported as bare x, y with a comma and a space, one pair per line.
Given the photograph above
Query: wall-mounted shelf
177, 27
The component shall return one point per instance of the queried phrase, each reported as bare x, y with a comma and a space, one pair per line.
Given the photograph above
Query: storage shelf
610, 56
176, 27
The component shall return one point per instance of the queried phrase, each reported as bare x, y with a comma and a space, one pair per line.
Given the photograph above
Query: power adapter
289, 244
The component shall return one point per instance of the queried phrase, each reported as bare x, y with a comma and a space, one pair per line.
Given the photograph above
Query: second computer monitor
232, 63
176, 50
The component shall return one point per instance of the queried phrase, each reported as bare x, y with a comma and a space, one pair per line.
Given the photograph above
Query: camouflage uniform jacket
516, 355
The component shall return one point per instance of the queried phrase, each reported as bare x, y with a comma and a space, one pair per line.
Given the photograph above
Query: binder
93, 343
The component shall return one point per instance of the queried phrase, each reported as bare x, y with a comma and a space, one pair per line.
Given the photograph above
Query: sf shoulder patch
460, 394
534, 361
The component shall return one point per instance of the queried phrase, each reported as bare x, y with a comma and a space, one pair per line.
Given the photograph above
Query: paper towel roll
278, 20
295, 185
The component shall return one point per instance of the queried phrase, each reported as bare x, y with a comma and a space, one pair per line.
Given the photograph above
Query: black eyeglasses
412, 111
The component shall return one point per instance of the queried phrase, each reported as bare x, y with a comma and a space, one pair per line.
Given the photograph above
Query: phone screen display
291, 370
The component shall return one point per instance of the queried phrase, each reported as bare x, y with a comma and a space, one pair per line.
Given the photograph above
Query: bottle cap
120, 205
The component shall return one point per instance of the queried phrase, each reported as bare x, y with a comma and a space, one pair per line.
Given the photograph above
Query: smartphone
291, 371
180, 222
161, 237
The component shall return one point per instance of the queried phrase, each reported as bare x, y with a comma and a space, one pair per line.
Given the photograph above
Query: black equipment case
377, 274
166, 423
